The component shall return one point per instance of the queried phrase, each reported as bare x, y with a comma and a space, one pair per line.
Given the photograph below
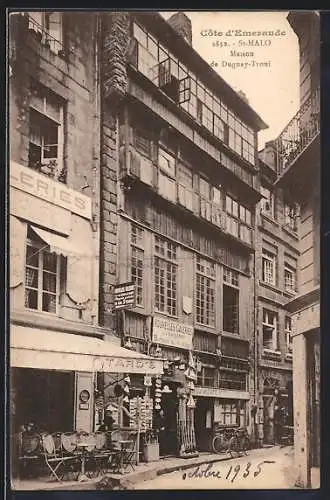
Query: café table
83, 448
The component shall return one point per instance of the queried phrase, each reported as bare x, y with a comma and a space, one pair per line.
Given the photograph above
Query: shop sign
127, 365
172, 333
125, 296
213, 392
47, 189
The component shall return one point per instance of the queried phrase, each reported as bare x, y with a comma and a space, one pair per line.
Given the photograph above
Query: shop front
216, 410
53, 382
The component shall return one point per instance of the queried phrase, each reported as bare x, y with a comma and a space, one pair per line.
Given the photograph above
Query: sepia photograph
164, 237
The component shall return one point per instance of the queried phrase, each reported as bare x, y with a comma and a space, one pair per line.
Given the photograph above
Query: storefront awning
51, 350
56, 243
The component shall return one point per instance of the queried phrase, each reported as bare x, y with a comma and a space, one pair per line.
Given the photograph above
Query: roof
158, 25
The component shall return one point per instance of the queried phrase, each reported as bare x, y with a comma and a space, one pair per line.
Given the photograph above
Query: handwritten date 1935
233, 471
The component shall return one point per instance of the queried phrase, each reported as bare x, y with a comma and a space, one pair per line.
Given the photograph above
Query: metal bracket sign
125, 296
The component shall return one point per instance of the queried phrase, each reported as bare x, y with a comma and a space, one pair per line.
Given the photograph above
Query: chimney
182, 25
268, 154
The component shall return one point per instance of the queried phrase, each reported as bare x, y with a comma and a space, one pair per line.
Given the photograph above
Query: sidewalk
142, 472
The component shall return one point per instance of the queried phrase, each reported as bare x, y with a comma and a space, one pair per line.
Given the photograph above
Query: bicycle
221, 440
239, 442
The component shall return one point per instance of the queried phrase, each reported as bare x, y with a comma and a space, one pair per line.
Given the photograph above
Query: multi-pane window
165, 276
232, 380
268, 267
267, 202
185, 186
239, 220
288, 334
137, 260
182, 85
46, 133
42, 278
289, 278
49, 26
230, 301
269, 330
229, 413
290, 216
207, 377
205, 292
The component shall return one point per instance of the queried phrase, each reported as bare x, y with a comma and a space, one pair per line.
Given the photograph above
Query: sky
272, 91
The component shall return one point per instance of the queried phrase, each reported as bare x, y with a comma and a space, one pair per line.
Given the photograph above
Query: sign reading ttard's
125, 296
172, 333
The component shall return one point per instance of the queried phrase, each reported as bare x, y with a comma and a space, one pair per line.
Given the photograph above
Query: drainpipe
95, 180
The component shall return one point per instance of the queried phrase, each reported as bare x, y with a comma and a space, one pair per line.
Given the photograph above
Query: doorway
46, 398
203, 423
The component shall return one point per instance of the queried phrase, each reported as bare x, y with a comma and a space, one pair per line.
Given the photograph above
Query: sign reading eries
124, 296
172, 333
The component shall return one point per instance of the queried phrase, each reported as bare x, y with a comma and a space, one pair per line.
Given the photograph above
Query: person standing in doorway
160, 428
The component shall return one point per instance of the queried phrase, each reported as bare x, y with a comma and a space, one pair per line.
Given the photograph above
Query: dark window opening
230, 309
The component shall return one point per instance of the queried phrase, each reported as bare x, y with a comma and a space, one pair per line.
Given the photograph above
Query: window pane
31, 299
31, 277
49, 302
49, 282
49, 261
32, 256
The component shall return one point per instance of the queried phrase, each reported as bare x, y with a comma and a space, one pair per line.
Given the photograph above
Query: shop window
269, 330
288, 334
137, 261
165, 276
46, 135
205, 292
49, 26
229, 413
289, 278
267, 202
268, 267
43, 276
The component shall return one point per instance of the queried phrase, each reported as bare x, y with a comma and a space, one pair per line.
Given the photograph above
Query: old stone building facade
180, 186
298, 168
132, 161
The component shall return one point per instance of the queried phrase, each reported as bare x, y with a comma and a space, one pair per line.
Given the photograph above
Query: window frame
269, 257
166, 262
293, 272
288, 335
40, 22
273, 326
139, 247
41, 250
205, 272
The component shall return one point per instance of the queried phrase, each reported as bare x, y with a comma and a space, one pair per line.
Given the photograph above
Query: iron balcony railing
299, 133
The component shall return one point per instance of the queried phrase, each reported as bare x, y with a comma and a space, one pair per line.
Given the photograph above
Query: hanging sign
125, 296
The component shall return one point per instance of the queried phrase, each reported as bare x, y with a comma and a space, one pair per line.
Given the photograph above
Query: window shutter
79, 267
17, 251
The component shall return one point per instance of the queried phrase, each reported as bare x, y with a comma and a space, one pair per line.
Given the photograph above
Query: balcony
298, 135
